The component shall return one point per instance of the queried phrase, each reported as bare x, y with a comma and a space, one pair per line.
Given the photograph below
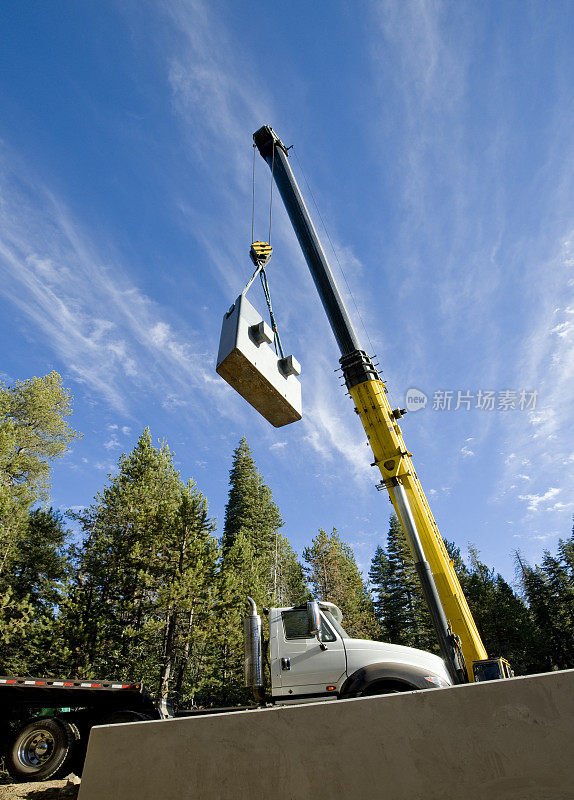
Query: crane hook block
260, 253
251, 366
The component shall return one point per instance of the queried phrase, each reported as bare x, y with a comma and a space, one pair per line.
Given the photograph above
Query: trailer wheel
42, 749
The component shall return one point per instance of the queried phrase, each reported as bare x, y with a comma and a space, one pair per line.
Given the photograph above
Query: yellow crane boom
394, 462
459, 639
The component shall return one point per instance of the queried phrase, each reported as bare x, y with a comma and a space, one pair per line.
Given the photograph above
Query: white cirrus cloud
535, 500
110, 336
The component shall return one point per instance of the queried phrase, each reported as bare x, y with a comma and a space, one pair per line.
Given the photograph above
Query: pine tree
457, 562
504, 622
387, 603
399, 602
257, 561
334, 576
378, 579
115, 579
549, 590
289, 584
143, 586
39, 564
240, 576
34, 431
39, 568
538, 596
566, 554
185, 596
250, 505
252, 512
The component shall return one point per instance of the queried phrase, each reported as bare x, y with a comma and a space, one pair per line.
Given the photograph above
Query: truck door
305, 667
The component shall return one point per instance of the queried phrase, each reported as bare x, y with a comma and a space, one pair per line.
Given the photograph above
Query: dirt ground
48, 790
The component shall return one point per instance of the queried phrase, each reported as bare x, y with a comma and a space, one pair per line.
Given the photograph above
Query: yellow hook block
260, 253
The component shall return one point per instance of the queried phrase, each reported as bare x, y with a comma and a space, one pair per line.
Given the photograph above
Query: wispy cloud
545, 438
535, 500
172, 402
327, 431
220, 98
496, 281
278, 445
112, 443
220, 101
107, 332
537, 537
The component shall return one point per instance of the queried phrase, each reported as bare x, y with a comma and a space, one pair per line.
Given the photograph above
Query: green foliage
289, 582
502, 618
39, 564
549, 590
333, 574
29, 602
240, 575
148, 593
257, 561
506, 625
33, 432
141, 596
250, 507
400, 608
251, 512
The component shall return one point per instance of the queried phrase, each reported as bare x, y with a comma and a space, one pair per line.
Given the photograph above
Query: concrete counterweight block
248, 362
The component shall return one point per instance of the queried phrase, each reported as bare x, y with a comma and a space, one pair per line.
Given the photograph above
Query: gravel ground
47, 790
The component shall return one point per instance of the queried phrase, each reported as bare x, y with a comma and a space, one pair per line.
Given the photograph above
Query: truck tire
42, 749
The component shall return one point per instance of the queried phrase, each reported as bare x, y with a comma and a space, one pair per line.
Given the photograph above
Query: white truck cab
312, 657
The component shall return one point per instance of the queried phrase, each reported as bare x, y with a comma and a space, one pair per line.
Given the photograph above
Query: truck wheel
42, 749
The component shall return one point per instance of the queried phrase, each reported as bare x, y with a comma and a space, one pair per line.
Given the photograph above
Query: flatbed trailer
45, 723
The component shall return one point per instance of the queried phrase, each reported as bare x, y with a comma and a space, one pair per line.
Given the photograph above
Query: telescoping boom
459, 639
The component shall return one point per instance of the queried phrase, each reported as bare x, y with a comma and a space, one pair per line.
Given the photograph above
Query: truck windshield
338, 627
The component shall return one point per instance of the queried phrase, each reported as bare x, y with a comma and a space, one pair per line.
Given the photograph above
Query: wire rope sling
251, 357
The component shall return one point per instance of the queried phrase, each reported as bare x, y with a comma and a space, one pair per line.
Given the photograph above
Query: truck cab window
296, 626
326, 634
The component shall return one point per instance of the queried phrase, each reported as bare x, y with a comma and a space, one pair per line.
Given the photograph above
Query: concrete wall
505, 740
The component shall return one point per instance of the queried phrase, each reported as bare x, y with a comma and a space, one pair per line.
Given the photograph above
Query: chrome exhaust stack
253, 655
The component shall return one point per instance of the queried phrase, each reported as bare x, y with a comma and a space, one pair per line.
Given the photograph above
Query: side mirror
314, 617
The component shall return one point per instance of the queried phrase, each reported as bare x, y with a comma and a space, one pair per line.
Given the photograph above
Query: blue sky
436, 138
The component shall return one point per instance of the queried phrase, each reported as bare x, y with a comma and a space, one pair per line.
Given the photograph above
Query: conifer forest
142, 586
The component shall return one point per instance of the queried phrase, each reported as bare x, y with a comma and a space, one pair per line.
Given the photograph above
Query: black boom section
275, 154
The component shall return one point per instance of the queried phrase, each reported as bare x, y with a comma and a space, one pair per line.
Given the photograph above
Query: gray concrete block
504, 740
251, 366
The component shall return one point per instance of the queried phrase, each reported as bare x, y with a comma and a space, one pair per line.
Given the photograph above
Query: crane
458, 636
